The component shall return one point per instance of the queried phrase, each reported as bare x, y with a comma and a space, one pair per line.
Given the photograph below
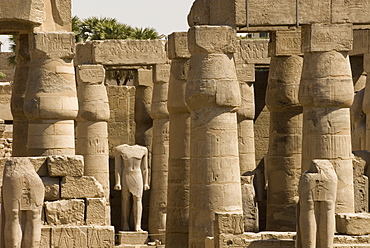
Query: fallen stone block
60, 166
81, 187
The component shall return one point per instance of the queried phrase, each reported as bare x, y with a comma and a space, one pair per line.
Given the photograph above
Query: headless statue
131, 174
23, 197
316, 211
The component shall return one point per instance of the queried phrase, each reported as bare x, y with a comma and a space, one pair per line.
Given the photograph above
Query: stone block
96, 210
353, 224
40, 165
129, 52
354, 11
229, 223
53, 45
92, 74
132, 238
245, 72
65, 212
327, 37
285, 43
361, 189
178, 46
162, 73
68, 236
45, 237
83, 54
60, 166
212, 39
81, 187
367, 62
272, 12
100, 236
52, 188
30, 11
253, 51
143, 77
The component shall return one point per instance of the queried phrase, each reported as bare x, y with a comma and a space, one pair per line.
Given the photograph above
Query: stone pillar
366, 100
212, 95
247, 160
283, 160
159, 183
51, 101
358, 122
326, 94
177, 227
92, 126
20, 123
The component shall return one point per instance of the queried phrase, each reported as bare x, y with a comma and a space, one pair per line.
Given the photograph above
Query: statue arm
144, 169
117, 169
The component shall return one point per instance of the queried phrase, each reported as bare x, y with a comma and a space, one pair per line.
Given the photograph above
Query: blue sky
166, 16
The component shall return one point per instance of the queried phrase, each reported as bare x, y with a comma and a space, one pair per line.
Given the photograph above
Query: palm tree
12, 41
144, 34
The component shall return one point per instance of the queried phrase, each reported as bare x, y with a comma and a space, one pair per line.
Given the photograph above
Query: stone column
366, 100
20, 123
177, 227
92, 126
212, 95
326, 94
247, 160
160, 151
283, 160
51, 101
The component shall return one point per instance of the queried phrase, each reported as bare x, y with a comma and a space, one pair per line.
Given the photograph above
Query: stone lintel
327, 37
285, 43
143, 77
178, 46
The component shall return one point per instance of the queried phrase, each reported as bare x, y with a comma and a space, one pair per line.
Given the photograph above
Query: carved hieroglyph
283, 161
326, 94
316, 215
23, 196
131, 177
212, 94
177, 226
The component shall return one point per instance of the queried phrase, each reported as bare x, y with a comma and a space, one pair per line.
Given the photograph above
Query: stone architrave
212, 96
23, 196
131, 178
50, 103
177, 226
326, 94
316, 214
160, 151
283, 160
20, 123
92, 127
247, 159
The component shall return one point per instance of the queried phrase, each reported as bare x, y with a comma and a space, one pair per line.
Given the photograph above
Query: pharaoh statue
316, 212
23, 197
131, 174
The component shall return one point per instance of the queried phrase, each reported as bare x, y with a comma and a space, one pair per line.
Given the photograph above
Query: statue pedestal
132, 238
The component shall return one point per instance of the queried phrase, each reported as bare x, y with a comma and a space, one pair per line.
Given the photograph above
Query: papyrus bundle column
177, 227
212, 94
283, 161
245, 118
92, 127
51, 101
326, 93
20, 122
160, 151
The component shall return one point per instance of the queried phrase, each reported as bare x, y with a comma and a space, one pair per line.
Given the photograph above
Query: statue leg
138, 210
307, 222
32, 230
13, 230
326, 224
126, 206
